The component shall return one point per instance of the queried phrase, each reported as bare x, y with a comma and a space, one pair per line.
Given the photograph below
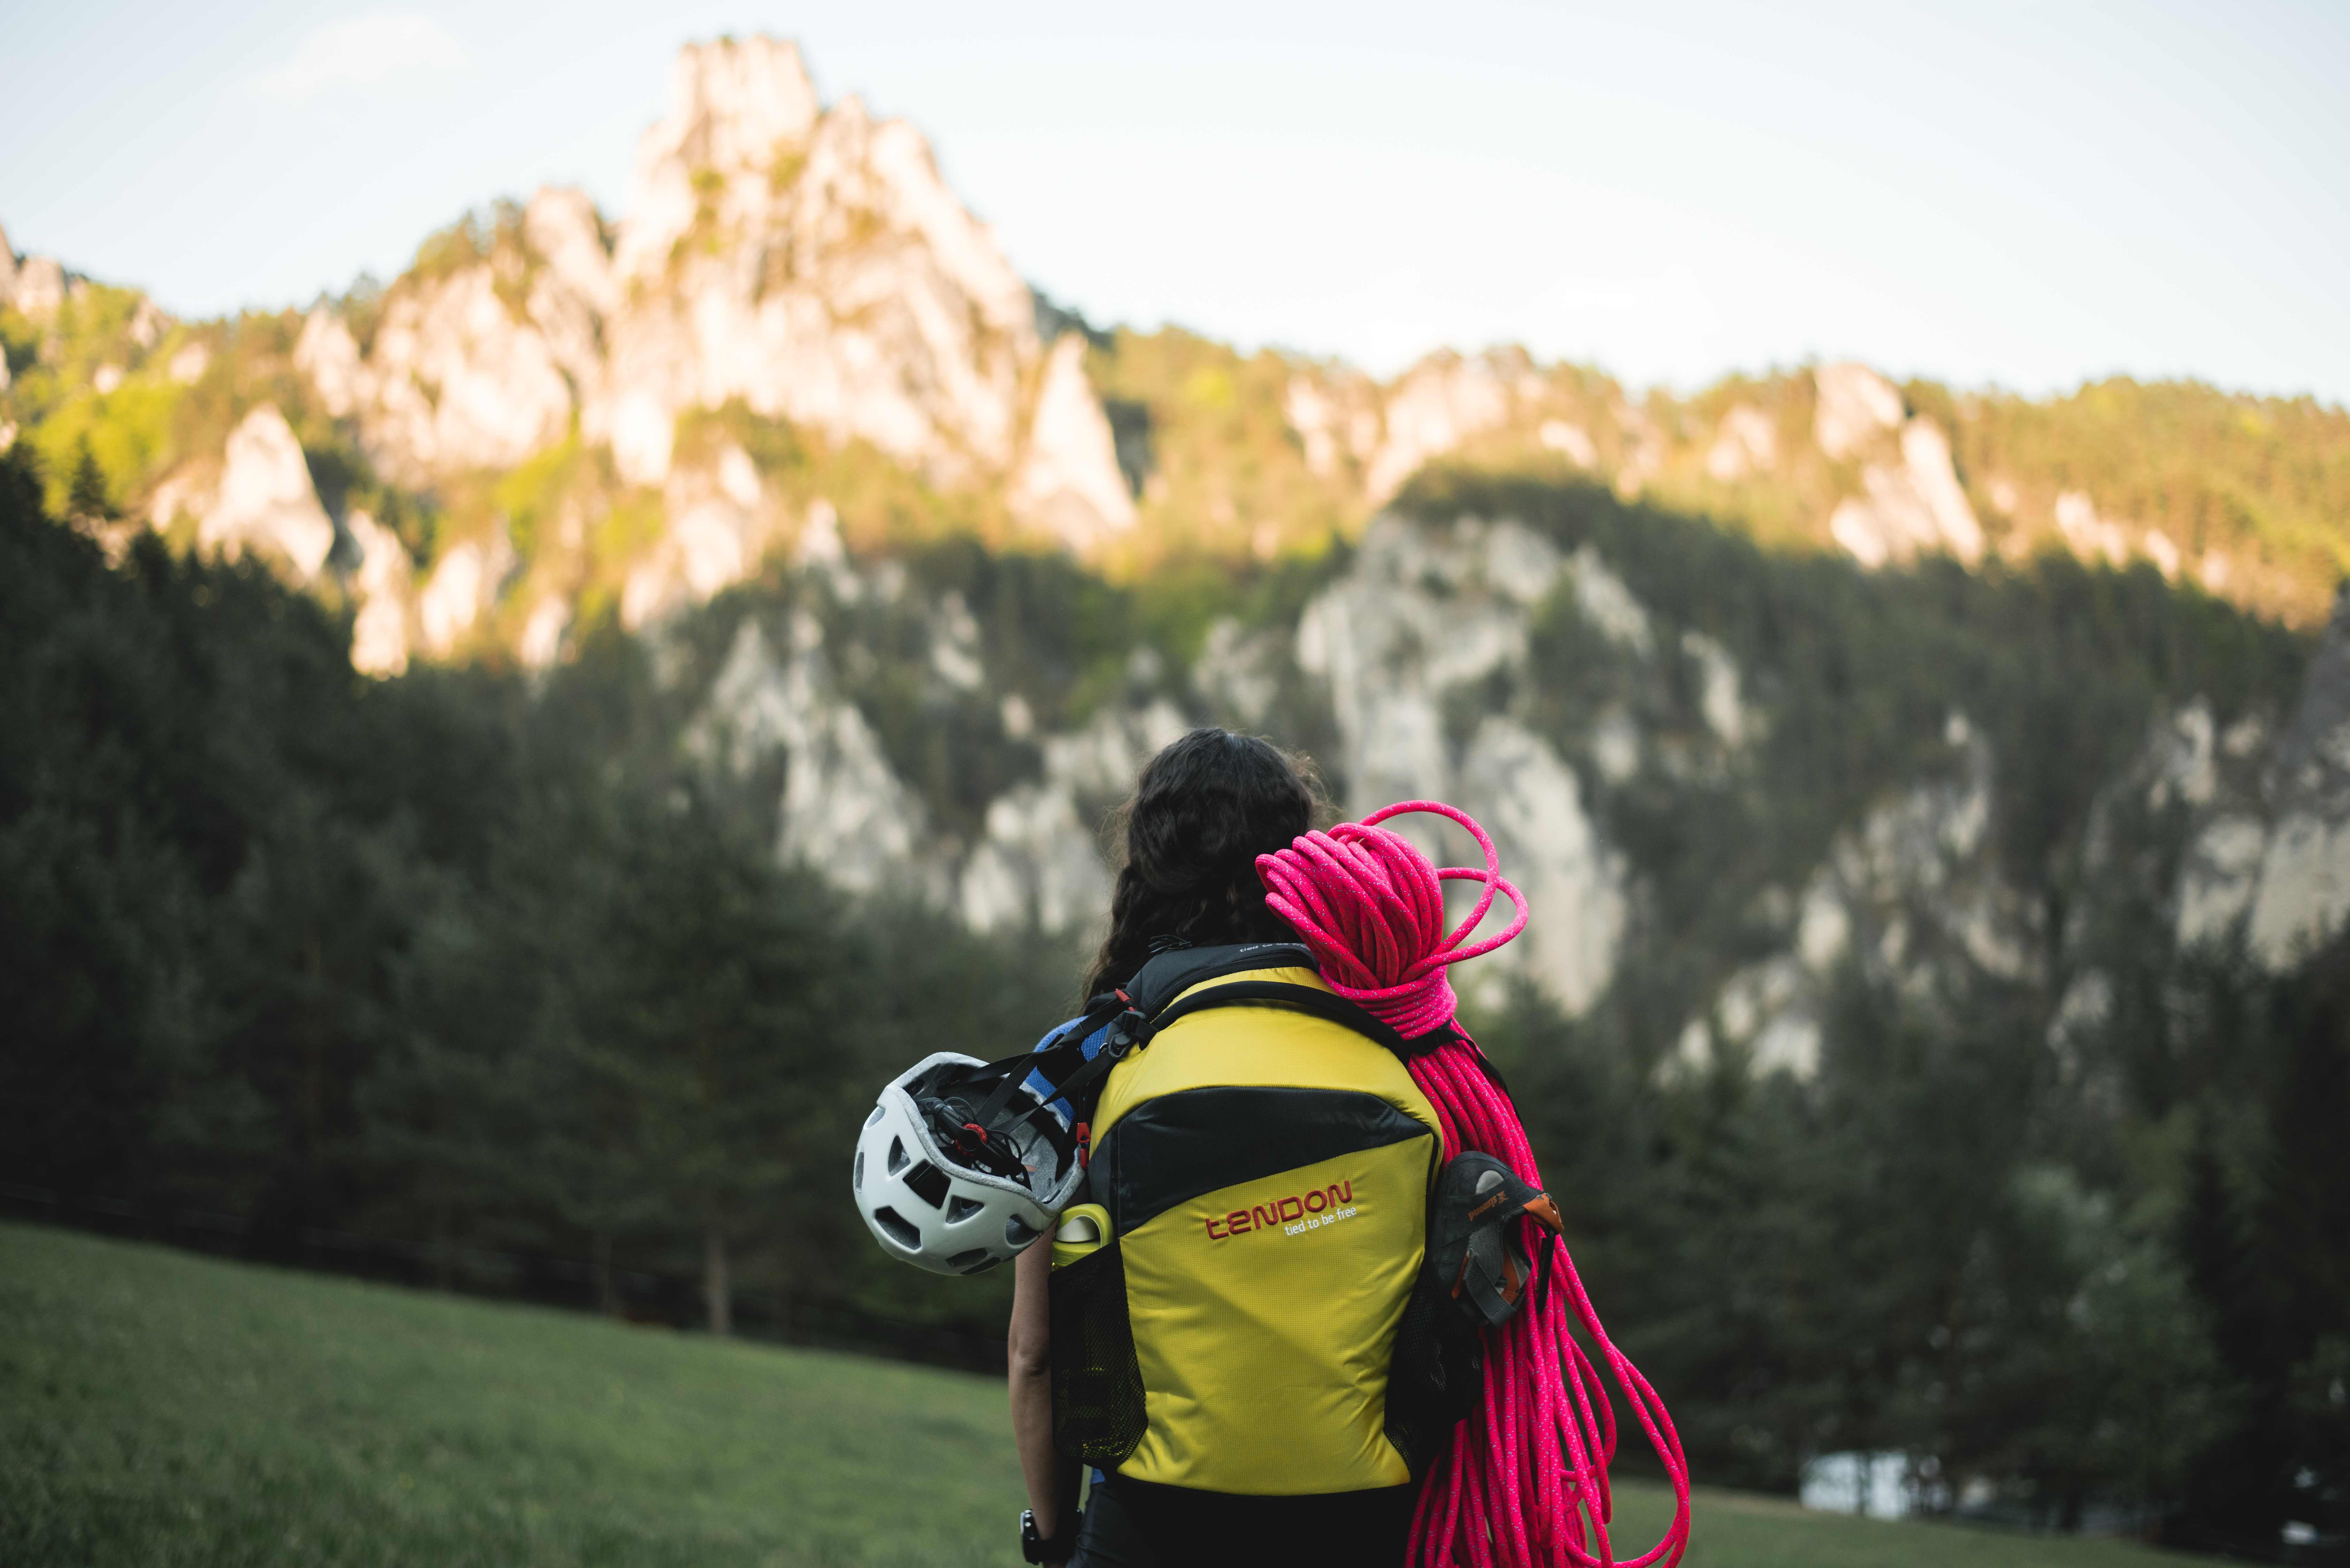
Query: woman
1263, 1174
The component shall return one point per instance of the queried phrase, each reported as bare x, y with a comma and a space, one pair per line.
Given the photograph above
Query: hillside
502, 763
1985, 928
556, 413
156, 1410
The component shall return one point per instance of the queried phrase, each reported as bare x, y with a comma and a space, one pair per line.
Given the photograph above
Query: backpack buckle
1127, 1031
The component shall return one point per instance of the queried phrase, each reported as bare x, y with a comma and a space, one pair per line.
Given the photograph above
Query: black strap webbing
1280, 993
1077, 1077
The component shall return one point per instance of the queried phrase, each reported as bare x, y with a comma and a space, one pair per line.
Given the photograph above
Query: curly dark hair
1204, 809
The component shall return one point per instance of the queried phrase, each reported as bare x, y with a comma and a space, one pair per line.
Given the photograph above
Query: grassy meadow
171, 1411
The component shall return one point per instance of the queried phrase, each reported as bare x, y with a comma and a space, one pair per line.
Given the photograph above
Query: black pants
1137, 1524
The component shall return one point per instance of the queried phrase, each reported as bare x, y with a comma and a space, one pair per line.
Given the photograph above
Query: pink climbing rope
1523, 1482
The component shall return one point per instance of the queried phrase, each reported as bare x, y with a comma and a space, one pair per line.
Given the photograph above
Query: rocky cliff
1648, 761
794, 362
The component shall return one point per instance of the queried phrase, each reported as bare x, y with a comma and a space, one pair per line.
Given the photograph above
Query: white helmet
942, 1212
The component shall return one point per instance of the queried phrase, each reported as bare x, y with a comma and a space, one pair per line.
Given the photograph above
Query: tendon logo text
1294, 1215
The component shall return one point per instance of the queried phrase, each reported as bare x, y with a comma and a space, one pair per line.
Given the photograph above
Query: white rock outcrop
1335, 416
1912, 893
38, 287
721, 523
2303, 900
1530, 802
1914, 507
265, 499
1426, 611
1068, 479
1439, 404
330, 356
465, 584
1852, 406
809, 261
379, 585
813, 262
1747, 442
843, 813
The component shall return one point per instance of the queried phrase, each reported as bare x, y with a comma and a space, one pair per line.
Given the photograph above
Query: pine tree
87, 498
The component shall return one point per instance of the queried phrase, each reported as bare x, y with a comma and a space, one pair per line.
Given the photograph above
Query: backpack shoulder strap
1170, 974
1295, 997
1157, 987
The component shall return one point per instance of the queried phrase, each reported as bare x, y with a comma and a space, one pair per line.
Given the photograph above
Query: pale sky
2018, 194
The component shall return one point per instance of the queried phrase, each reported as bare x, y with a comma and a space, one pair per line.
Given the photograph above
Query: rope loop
1371, 907
1524, 1482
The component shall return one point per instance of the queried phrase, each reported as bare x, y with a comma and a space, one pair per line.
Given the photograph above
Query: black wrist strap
1035, 1548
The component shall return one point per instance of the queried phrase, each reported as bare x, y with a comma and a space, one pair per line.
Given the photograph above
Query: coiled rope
1524, 1482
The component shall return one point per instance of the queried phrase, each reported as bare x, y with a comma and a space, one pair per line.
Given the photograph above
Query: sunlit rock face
266, 499
34, 285
1911, 503
1747, 442
721, 521
1853, 407
813, 264
1062, 481
809, 262
380, 583
464, 585
1440, 403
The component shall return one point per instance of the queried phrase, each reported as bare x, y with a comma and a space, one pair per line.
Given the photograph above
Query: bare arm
1052, 1480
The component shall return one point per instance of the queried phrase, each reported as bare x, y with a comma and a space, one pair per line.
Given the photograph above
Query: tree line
484, 961
458, 958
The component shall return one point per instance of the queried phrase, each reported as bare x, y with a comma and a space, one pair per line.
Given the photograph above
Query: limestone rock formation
1910, 507
380, 583
844, 812
465, 584
1855, 405
2267, 864
1747, 442
1062, 481
1439, 404
1426, 611
2305, 887
34, 285
721, 522
809, 262
1912, 893
265, 499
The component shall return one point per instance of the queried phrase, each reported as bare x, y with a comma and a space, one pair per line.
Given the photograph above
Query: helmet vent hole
899, 1230
1019, 1232
961, 1209
898, 1161
929, 1182
971, 1262
874, 1118
857, 1181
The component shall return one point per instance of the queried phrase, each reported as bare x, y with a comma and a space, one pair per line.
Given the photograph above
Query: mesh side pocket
1436, 1376
1097, 1409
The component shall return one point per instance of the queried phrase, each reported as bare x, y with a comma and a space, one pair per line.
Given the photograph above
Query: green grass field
164, 1410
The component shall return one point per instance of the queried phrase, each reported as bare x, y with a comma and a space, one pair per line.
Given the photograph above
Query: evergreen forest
487, 979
